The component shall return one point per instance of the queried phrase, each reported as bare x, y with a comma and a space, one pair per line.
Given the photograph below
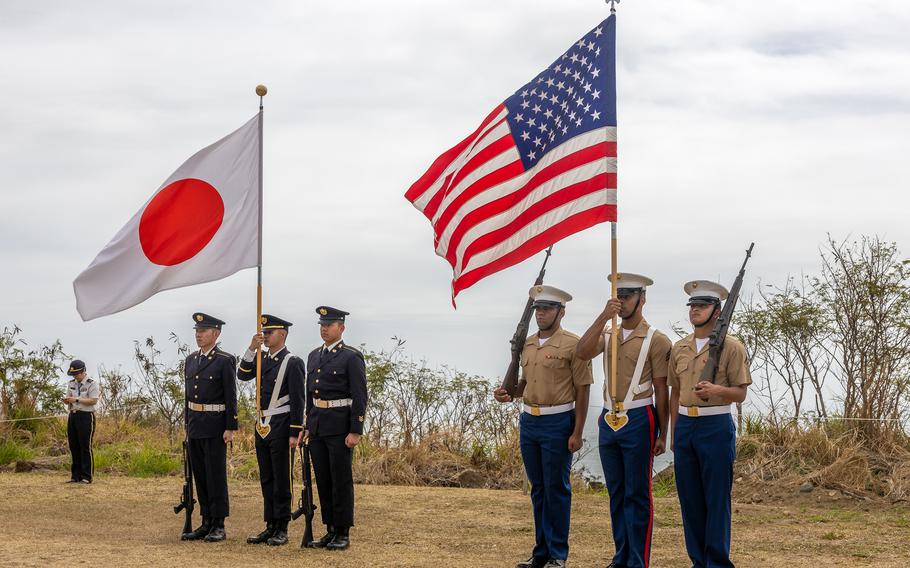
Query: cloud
773, 122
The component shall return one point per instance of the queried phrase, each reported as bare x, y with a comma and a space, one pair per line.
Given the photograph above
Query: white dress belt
634, 404
337, 403
206, 407
537, 410
696, 411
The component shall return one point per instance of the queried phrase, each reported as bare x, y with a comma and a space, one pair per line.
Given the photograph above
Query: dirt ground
120, 521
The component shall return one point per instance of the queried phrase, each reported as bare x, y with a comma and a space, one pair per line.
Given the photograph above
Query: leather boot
326, 538
264, 536
199, 533
279, 535
533, 562
341, 540
217, 533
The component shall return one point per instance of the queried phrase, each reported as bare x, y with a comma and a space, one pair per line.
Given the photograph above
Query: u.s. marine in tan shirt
687, 364
552, 371
627, 357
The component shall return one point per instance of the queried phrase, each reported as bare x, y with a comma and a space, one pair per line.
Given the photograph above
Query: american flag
540, 167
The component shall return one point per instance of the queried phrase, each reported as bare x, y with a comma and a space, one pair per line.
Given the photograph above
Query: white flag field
201, 225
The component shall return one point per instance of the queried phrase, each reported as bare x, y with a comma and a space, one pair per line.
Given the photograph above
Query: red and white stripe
488, 213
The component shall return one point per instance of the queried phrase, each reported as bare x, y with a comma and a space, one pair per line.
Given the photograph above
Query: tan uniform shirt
627, 358
86, 388
686, 366
552, 370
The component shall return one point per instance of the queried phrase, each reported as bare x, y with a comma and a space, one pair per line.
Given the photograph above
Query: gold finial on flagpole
261, 90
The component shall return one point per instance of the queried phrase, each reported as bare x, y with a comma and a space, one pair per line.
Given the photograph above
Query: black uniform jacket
292, 387
339, 374
210, 380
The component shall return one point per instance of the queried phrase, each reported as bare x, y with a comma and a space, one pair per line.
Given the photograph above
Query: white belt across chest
338, 403
696, 411
538, 410
616, 416
206, 407
277, 404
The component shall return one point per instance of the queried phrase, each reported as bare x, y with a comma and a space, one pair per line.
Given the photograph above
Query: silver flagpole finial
613, 4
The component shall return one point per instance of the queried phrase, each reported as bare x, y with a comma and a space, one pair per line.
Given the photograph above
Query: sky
774, 122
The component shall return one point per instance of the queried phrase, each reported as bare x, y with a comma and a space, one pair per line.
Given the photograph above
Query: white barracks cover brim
705, 289
549, 294
630, 280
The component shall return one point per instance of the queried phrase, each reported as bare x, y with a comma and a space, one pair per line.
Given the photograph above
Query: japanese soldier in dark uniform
335, 409
211, 420
279, 428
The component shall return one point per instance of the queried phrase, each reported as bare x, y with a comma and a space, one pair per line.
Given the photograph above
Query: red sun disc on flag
179, 221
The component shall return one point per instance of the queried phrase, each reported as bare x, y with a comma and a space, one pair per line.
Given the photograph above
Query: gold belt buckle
535, 410
692, 411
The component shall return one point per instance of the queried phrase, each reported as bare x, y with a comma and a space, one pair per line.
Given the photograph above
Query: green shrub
152, 462
11, 452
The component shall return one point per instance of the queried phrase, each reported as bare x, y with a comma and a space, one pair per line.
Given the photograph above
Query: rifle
305, 506
510, 380
187, 501
719, 333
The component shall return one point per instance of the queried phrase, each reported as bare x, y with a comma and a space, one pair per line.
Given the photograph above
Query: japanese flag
201, 225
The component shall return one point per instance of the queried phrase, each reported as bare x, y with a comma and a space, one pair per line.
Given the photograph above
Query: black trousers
80, 430
274, 457
209, 459
332, 464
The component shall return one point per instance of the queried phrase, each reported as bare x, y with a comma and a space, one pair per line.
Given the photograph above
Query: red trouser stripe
647, 554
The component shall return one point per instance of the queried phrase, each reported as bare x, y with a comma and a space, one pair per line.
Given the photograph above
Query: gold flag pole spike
262, 428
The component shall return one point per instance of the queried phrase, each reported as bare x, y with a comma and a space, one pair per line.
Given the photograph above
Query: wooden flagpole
614, 335
261, 90
614, 332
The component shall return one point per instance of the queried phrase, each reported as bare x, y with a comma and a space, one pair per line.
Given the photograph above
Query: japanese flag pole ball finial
261, 90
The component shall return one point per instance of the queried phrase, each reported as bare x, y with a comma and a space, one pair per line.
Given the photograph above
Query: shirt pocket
683, 370
557, 361
557, 367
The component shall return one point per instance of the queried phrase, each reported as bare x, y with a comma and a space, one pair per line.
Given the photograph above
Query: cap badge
199, 317
323, 311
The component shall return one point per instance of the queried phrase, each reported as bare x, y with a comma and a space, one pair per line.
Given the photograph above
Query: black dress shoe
533, 562
340, 542
264, 536
73, 481
199, 533
278, 538
217, 534
324, 541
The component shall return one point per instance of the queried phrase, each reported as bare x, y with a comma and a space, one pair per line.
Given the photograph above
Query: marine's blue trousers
704, 451
627, 460
545, 452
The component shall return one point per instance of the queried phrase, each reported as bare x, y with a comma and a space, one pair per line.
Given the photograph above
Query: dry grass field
123, 521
